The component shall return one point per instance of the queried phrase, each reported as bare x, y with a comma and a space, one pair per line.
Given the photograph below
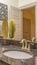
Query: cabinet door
26, 28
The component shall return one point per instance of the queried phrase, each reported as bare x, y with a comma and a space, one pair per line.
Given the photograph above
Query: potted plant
12, 29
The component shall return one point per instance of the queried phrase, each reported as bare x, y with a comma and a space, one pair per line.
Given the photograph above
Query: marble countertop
15, 47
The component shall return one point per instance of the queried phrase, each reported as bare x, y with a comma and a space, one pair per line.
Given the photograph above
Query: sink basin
17, 55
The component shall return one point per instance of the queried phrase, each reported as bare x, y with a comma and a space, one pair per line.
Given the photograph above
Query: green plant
12, 29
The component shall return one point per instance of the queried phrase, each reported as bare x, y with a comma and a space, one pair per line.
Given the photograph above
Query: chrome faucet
24, 44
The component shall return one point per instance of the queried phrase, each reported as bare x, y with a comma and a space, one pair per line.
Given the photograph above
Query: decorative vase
12, 29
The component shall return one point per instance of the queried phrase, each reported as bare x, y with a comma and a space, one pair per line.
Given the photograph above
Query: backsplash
9, 42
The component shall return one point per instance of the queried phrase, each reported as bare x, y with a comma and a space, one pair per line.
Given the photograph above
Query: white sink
17, 55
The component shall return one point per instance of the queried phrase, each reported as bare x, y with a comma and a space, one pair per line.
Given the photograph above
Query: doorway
27, 28
29, 23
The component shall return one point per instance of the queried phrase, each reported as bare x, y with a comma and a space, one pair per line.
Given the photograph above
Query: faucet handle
28, 46
22, 40
24, 44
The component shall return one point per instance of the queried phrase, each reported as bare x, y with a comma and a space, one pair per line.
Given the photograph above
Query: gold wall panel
5, 29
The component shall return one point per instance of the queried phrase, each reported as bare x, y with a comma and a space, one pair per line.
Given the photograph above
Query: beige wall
17, 16
26, 2
36, 22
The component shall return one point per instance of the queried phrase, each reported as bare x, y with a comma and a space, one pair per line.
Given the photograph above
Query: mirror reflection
24, 22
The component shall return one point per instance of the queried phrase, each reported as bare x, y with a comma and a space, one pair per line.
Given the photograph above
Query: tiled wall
16, 15
3, 11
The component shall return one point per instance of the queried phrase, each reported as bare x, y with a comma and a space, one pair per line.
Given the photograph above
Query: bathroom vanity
16, 47
19, 57
8, 60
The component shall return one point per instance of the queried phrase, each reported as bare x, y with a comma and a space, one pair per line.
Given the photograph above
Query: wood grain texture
29, 13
